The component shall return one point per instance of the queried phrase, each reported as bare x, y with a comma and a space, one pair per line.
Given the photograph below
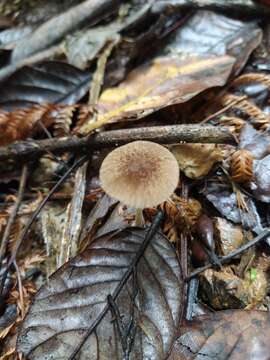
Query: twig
119, 324
34, 216
23, 150
151, 232
52, 31
20, 289
13, 214
192, 297
223, 259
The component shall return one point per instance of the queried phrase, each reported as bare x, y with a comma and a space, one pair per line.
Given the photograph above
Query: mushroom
140, 174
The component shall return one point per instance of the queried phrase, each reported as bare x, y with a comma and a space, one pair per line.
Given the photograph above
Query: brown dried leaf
164, 82
232, 334
231, 37
196, 160
228, 236
180, 215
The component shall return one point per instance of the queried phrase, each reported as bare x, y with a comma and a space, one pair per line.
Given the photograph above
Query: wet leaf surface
48, 82
76, 297
255, 141
225, 335
225, 201
232, 37
260, 184
165, 81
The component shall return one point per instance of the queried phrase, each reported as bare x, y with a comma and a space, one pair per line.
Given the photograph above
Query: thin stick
14, 212
23, 150
264, 234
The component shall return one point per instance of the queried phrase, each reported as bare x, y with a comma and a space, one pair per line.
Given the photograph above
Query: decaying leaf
228, 236
121, 217
76, 300
225, 201
83, 47
52, 220
225, 290
232, 37
96, 217
254, 141
48, 82
165, 81
260, 185
225, 335
196, 160
181, 212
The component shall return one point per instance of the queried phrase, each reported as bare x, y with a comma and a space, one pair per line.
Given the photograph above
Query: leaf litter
85, 276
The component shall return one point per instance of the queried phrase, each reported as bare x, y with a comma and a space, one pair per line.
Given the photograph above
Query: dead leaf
75, 300
165, 81
47, 82
260, 185
225, 335
228, 236
196, 160
225, 290
225, 201
232, 37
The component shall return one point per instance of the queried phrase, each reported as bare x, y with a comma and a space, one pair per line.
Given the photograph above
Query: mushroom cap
140, 174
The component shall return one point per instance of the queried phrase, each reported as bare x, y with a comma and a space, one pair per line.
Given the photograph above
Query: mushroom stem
139, 219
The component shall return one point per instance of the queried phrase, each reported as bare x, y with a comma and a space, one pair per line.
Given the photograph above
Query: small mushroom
140, 174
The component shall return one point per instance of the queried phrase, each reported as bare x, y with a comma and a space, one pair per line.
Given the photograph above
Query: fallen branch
170, 134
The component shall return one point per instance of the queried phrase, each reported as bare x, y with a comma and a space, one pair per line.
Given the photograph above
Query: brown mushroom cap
140, 174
